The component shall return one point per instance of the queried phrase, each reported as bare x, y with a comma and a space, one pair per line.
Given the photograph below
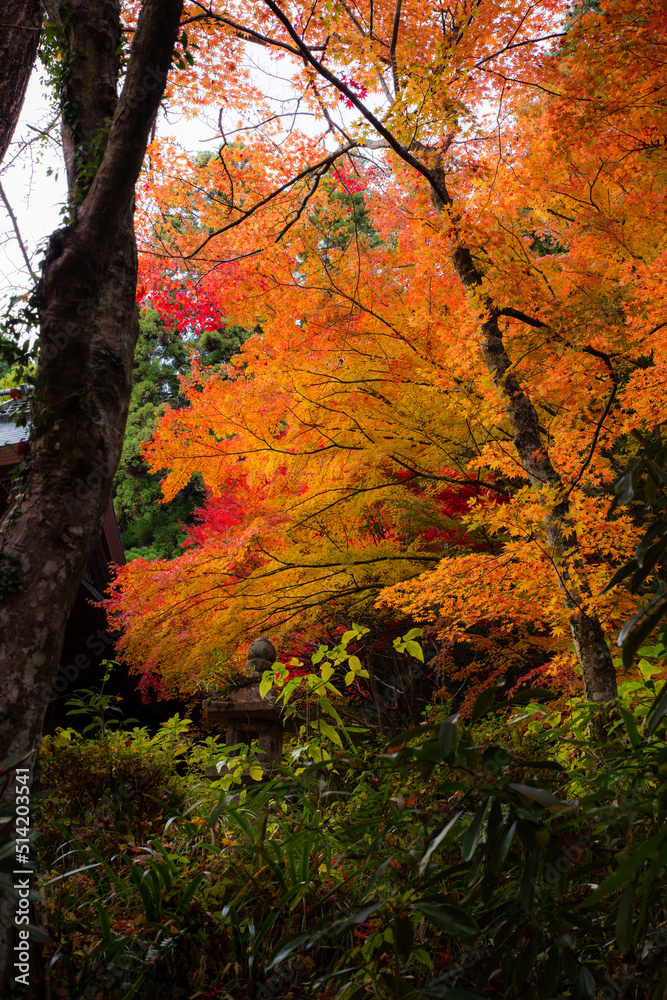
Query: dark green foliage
345, 221
454, 860
645, 477
149, 527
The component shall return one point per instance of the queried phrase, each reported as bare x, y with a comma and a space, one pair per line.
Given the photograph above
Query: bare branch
612, 395
315, 168
392, 46
17, 233
516, 45
431, 176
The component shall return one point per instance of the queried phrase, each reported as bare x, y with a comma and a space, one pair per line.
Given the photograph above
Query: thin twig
392, 47
17, 233
612, 395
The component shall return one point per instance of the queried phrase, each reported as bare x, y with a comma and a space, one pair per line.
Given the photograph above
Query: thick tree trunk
599, 675
88, 330
20, 22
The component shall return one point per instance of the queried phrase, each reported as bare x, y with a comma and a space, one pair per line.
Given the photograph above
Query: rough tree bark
88, 331
20, 23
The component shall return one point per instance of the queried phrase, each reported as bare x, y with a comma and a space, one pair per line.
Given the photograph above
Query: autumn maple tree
459, 287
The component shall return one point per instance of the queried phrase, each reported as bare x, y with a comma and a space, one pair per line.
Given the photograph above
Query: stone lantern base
248, 717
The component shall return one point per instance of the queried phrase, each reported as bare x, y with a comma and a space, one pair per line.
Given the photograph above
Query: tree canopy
486, 187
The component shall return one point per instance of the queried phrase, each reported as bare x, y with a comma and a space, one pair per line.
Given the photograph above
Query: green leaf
584, 988
543, 797
104, 920
657, 710
650, 558
435, 842
528, 880
349, 677
502, 847
624, 488
624, 873
354, 664
38, 934
646, 541
483, 703
631, 726
619, 575
328, 730
414, 633
327, 672
415, 731
414, 649
449, 918
623, 927
448, 738
548, 978
472, 834
404, 936
531, 694
639, 628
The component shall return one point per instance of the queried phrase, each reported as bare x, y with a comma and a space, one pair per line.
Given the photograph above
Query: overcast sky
32, 175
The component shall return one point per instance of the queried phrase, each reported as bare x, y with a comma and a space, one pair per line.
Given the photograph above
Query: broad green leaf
584, 988
449, 918
435, 842
483, 703
349, 677
472, 834
619, 575
354, 664
540, 795
623, 875
657, 710
548, 977
414, 649
531, 694
624, 917
448, 738
327, 672
646, 541
630, 726
328, 730
502, 847
404, 935
403, 738
528, 881
651, 557
639, 628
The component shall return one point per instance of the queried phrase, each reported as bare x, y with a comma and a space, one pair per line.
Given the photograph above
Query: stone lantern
246, 715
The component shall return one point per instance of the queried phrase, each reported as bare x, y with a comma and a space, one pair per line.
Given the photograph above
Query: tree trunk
88, 330
599, 675
20, 22
598, 671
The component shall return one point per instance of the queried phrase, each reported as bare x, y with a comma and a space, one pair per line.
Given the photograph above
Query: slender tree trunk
598, 671
599, 675
88, 330
20, 22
